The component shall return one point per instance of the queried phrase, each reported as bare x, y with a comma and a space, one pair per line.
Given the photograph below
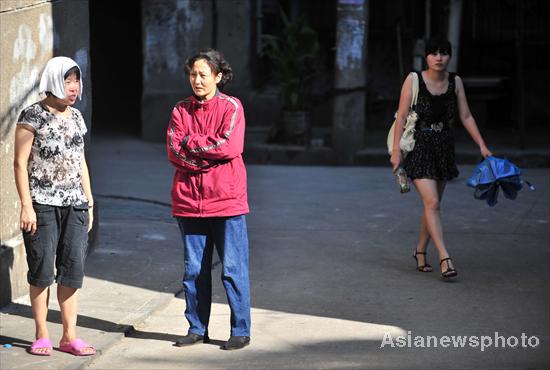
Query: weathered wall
172, 31
233, 39
32, 32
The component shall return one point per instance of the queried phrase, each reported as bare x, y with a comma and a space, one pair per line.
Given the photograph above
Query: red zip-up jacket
205, 143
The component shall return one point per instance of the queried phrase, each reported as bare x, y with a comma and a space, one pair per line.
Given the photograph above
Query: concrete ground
333, 281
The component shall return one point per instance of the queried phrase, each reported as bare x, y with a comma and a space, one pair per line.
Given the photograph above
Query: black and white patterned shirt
55, 161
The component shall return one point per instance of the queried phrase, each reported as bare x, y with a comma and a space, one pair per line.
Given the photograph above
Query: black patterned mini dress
433, 156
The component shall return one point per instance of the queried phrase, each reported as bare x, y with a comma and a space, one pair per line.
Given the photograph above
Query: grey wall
172, 30
32, 32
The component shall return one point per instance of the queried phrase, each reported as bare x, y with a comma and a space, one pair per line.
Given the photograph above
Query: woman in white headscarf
53, 182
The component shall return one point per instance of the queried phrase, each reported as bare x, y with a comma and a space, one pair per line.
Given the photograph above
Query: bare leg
40, 297
420, 251
68, 302
424, 234
431, 192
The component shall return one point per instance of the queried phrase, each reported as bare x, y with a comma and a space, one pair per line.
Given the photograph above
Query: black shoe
450, 272
191, 339
236, 342
425, 267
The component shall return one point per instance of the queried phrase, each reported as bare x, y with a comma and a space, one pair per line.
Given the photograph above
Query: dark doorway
116, 63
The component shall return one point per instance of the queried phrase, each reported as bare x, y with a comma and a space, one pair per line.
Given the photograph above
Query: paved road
332, 275
331, 272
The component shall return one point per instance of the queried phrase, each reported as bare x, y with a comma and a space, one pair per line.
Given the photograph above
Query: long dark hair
216, 62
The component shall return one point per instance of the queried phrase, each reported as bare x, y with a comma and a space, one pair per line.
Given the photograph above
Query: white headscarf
53, 77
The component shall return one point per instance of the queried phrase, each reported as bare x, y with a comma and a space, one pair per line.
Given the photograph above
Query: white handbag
407, 139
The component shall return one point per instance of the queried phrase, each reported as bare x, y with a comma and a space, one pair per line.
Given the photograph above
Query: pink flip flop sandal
77, 347
41, 344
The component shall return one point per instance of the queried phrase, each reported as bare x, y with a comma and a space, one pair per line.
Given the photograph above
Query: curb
157, 303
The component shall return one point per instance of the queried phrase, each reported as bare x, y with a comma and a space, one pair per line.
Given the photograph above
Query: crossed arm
198, 152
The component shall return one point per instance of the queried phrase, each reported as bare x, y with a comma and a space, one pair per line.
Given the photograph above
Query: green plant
294, 56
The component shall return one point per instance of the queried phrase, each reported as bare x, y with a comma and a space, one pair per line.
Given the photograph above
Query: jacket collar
205, 103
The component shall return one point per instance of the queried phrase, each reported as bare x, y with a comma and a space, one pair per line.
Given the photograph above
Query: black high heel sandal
450, 272
422, 268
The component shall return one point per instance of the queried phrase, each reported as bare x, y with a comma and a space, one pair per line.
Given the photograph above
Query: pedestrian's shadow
138, 334
54, 316
14, 342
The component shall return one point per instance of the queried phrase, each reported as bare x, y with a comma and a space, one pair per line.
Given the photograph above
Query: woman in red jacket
209, 200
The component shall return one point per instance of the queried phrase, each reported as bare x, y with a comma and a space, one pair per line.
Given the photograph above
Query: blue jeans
229, 236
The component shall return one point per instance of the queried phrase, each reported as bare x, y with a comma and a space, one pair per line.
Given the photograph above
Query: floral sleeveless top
55, 161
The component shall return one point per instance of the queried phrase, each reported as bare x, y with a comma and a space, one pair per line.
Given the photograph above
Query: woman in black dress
431, 164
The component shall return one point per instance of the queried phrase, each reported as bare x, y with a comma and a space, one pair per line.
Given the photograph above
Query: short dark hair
216, 62
438, 44
74, 70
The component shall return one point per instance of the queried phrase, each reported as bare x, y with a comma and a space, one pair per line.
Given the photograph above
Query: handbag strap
414, 86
